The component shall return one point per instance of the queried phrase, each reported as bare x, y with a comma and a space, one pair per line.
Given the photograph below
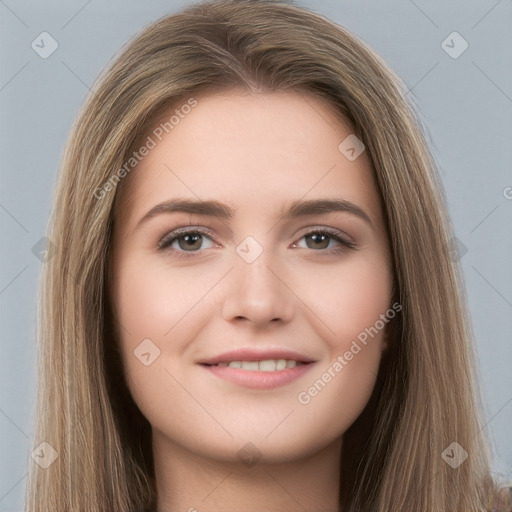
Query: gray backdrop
464, 96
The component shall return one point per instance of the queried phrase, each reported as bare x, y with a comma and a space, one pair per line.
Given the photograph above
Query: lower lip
257, 379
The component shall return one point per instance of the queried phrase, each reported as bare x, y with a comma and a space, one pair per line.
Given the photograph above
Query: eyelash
168, 239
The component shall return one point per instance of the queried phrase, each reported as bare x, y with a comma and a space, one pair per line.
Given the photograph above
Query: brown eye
321, 239
187, 241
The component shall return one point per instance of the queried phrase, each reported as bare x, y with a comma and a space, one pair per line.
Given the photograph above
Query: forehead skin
282, 146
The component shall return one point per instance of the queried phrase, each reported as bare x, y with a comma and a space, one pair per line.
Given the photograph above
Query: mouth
258, 373
266, 365
259, 367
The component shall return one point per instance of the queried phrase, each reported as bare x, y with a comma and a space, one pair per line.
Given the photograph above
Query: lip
257, 379
245, 354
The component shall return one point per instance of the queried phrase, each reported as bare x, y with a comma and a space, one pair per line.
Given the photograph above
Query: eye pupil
320, 237
189, 238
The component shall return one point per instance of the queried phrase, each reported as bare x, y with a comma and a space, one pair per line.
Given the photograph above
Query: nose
258, 293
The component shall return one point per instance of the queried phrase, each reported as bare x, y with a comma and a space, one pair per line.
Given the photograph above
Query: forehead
256, 150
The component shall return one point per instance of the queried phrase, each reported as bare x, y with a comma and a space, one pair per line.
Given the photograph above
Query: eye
321, 238
185, 240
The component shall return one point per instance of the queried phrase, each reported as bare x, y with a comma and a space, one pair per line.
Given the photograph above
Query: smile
265, 374
268, 365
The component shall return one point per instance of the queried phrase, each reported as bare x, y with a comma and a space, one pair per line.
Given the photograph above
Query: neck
189, 482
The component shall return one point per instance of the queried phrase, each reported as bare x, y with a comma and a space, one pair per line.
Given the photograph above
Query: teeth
281, 364
269, 365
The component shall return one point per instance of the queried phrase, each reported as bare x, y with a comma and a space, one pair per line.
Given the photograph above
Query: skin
254, 152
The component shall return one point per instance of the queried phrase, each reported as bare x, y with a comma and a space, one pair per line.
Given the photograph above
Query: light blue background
465, 103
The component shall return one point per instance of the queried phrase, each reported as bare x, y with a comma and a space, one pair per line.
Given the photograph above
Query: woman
197, 352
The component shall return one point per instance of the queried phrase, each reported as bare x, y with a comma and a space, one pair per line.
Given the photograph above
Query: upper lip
251, 354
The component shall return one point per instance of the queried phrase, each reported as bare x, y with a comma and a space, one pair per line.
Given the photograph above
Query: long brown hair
425, 397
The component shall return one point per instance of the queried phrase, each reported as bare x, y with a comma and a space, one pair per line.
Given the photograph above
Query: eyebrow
294, 209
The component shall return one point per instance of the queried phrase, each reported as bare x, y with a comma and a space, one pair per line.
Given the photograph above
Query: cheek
339, 389
147, 308
351, 300
362, 300
159, 312
336, 394
356, 307
149, 301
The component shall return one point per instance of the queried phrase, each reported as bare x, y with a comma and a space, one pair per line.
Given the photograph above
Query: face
203, 291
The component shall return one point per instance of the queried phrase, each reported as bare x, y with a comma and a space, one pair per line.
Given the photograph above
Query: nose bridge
256, 291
